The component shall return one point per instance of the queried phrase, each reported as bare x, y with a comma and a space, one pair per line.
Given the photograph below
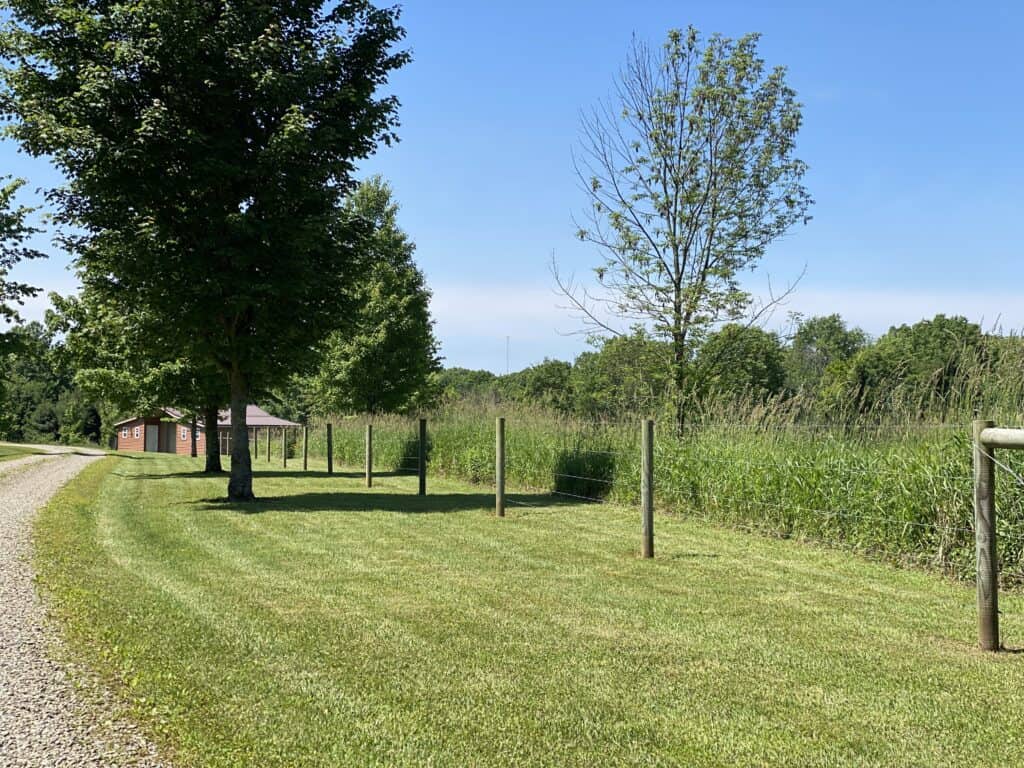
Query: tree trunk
212, 440
240, 485
195, 425
679, 363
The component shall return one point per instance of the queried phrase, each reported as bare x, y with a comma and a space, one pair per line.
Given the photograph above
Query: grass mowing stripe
375, 637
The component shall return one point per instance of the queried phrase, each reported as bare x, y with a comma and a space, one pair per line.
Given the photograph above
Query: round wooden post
330, 450
305, 447
255, 442
369, 455
284, 447
423, 457
499, 466
268, 445
647, 488
985, 540
195, 424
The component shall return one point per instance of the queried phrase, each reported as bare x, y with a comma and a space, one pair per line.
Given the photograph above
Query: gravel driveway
45, 718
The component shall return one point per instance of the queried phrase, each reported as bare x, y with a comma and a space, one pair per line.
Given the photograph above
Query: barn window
124, 432
184, 434
138, 431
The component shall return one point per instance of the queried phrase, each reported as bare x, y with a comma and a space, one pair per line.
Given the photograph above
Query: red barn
168, 430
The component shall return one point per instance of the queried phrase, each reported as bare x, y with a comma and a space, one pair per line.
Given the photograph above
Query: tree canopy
383, 359
207, 148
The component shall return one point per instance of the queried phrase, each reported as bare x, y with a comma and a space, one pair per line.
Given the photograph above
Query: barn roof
254, 417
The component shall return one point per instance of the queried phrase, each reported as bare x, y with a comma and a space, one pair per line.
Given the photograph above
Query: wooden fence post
423, 457
369, 455
647, 488
195, 425
985, 540
268, 445
499, 466
330, 450
305, 447
284, 447
255, 442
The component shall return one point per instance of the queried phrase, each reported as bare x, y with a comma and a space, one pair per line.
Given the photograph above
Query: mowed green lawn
345, 627
10, 451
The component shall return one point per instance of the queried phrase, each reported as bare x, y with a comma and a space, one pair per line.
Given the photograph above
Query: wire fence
904, 491
908, 492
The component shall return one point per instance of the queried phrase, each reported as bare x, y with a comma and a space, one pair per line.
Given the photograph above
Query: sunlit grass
898, 492
9, 451
334, 625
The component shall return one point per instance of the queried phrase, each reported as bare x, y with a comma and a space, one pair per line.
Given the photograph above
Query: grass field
10, 451
342, 626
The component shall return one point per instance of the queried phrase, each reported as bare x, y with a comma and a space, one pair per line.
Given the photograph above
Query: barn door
153, 438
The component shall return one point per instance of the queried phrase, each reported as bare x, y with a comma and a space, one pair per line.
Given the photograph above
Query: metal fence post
499, 466
985, 540
369, 455
330, 450
647, 488
423, 457
305, 447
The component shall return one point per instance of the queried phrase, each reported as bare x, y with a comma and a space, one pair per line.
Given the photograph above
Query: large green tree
818, 343
740, 361
207, 147
15, 236
383, 359
626, 375
41, 401
546, 384
912, 370
691, 173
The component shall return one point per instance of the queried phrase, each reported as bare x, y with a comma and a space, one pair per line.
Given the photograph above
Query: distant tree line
936, 369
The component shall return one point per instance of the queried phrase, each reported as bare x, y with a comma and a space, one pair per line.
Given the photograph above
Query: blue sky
913, 122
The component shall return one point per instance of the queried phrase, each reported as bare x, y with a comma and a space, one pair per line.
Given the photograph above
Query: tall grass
902, 492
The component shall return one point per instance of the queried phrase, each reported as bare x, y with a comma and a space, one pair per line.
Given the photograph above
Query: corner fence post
305, 447
330, 450
284, 447
647, 488
985, 540
423, 457
369, 455
499, 466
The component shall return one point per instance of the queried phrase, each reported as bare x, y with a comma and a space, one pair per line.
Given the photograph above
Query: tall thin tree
690, 174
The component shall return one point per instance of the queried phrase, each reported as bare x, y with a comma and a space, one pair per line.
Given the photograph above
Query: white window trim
124, 432
184, 434
138, 432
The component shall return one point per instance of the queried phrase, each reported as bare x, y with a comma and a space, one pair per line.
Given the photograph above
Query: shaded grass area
351, 626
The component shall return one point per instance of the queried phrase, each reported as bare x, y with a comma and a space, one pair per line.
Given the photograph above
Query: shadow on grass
259, 473
378, 502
